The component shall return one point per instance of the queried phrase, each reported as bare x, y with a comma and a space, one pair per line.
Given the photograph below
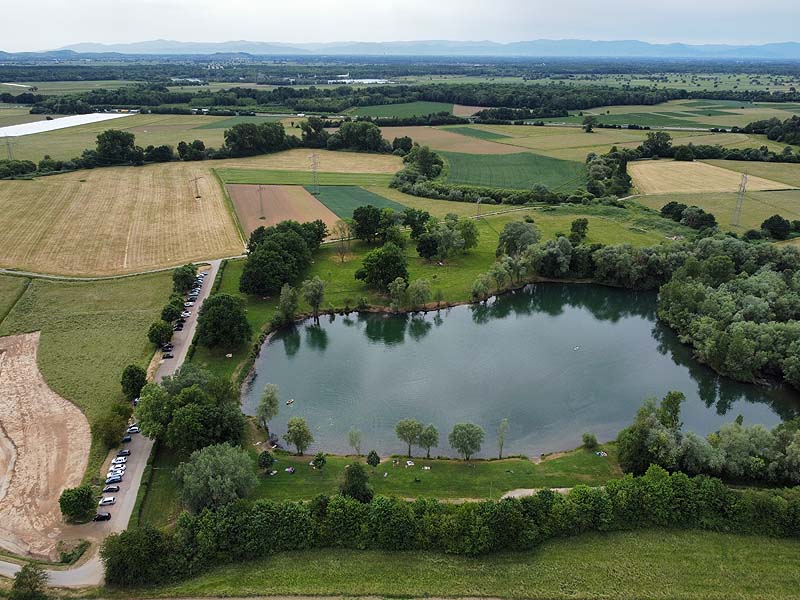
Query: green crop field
408, 109
607, 225
343, 199
229, 122
520, 171
60, 88
280, 177
631, 565
89, 332
478, 133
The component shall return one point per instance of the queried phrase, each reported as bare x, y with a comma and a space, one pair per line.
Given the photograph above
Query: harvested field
442, 139
462, 110
287, 177
787, 173
44, 448
115, 220
669, 176
266, 205
329, 161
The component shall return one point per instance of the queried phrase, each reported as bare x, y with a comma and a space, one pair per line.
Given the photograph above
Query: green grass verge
478, 133
407, 109
231, 121
656, 564
344, 199
158, 505
278, 177
520, 171
90, 331
11, 290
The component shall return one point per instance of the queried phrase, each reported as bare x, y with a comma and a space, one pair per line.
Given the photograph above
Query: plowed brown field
276, 203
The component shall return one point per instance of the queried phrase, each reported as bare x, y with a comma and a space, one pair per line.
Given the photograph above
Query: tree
481, 288
419, 293
684, 154
287, 303
319, 461
30, 583
249, 139
77, 504
267, 408
382, 266
133, 379
183, 278
408, 430
214, 476
397, 294
373, 460
466, 438
777, 227
355, 483
265, 460
669, 412
502, 430
115, 147
314, 134
499, 272
515, 237
589, 441
428, 438
314, 293
578, 231
415, 219
366, 222
428, 245
222, 322
354, 440
657, 143
109, 427
171, 312
138, 556
298, 434
589, 123
404, 144
342, 232
469, 233
159, 333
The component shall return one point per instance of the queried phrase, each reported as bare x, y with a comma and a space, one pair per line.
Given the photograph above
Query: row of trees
736, 452
243, 531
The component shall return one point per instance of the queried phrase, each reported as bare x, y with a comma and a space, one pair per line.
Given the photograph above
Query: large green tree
133, 380
382, 266
183, 278
267, 408
313, 291
298, 434
77, 504
222, 322
30, 583
355, 483
215, 476
466, 438
408, 431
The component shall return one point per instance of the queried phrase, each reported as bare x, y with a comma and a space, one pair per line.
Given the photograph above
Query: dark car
126, 439
124, 453
168, 355
110, 489
113, 479
178, 327
102, 516
167, 347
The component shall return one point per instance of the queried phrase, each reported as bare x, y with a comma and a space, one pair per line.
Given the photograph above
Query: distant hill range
535, 48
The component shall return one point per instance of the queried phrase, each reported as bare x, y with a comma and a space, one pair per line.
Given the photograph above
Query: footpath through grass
519, 171
90, 332
656, 564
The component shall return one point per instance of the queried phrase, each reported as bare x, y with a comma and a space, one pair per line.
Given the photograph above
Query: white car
119, 460
107, 501
133, 429
188, 304
186, 314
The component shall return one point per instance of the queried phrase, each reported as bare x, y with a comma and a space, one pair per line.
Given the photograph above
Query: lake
557, 360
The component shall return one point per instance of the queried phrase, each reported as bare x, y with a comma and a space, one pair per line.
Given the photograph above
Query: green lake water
557, 360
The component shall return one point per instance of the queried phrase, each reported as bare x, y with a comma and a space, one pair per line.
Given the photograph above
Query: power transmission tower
315, 173
261, 202
10, 147
737, 211
196, 188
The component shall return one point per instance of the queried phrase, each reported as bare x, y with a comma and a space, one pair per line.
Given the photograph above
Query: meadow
90, 331
520, 171
657, 564
407, 109
343, 200
786, 173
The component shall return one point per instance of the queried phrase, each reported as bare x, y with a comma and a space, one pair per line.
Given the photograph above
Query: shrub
589, 441
77, 504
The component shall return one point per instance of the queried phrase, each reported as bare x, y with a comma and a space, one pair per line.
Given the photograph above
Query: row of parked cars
188, 304
115, 474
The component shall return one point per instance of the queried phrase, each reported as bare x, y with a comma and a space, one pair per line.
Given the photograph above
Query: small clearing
266, 205
668, 176
44, 448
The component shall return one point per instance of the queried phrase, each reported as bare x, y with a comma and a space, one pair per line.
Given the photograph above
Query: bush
589, 441
355, 483
133, 379
77, 504
30, 583
215, 476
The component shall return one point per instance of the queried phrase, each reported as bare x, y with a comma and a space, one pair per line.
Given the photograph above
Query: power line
196, 187
737, 212
315, 173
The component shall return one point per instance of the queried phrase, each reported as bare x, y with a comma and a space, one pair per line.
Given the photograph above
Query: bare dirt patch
462, 110
276, 203
441, 139
44, 448
661, 177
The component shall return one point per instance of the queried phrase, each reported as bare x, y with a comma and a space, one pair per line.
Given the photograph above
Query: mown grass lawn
654, 564
11, 289
90, 332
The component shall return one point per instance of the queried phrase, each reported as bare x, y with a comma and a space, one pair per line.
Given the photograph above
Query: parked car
178, 327
113, 472
133, 429
110, 489
119, 460
167, 348
126, 439
114, 479
168, 355
102, 516
188, 304
125, 452
186, 314
108, 501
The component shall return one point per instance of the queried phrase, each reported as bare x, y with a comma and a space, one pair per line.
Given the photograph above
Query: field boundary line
230, 207
16, 301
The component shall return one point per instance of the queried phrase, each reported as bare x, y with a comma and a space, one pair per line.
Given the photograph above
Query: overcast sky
48, 24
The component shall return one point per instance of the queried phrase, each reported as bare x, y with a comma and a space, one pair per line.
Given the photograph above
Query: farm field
669, 564
756, 208
17, 116
227, 122
693, 82
670, 176
408, 109
446, 479
265, 205
462, 110
446, 140
329, 162
520, 171
343, 200
478, 133
286, 177
59, 88
606, 225
115, 220
89, 332
783, 172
